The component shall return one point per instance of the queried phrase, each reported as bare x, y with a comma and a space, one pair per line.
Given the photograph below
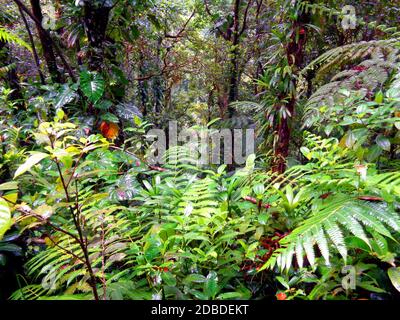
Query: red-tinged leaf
370, 198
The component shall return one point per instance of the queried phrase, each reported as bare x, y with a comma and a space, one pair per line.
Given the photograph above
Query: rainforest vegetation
92, 209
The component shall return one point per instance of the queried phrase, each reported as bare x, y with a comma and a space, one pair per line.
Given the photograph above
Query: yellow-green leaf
35, 158
5, 217
394, 276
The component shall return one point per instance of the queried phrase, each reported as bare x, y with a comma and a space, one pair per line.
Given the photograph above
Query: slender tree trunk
142, 86
295, 56
158, 86
95, 21
234, 74
210, 103
34, 52
46, 43
259, 28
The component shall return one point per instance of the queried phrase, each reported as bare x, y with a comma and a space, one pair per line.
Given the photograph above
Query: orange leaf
109, 130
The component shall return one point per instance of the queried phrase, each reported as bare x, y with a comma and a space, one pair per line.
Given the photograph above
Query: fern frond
7, 68
7, 36
379, 60
327, 227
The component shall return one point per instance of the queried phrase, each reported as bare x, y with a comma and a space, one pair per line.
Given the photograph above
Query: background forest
312, 214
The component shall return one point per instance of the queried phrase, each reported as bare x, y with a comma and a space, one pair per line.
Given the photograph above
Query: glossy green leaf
35, 158
5, 217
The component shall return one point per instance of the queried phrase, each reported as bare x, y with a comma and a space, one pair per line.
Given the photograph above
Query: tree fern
378, 60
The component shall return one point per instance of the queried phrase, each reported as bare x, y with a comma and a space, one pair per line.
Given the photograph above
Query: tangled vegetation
85, 211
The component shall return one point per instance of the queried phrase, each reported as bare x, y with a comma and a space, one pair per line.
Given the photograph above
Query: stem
103, 260
56, 48
34, 52
78, 227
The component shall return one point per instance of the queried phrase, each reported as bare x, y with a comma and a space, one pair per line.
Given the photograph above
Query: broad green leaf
168, 278
5, 217
65, 96
350, 139
263, 218
92, 85
383, 142
211, 285
394, 276
347, 121
35, 158
328, 129
194, 277
379, 97
370, 287
230, 295
11, 185
11, 197
306, 152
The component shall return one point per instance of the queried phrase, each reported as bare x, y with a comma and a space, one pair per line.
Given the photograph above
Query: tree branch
179, 34
245, 17
57, 49
34, 52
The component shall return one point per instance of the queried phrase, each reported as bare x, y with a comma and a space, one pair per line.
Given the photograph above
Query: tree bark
143, 86
232, 35
233, 85
46, 43
34, 52
295, 56
95, 21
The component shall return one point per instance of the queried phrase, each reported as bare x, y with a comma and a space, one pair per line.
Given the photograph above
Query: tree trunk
234, 74
143, 86
46, 43
34, 52
95, 21
295, 57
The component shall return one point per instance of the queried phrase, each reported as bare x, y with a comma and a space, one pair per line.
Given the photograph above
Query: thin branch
66, 250
75, 217
31, 213
179, 34
57, 49
34, 52
245, 18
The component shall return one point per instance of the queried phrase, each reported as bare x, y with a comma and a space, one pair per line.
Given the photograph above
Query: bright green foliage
92, 85
328, 223
86, 212
5, 217
7, 36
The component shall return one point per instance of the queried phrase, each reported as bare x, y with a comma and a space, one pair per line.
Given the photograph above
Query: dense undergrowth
85, 214
95, 220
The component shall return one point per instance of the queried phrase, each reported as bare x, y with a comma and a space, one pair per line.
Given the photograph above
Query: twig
245, 17
34, 52
57, 49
